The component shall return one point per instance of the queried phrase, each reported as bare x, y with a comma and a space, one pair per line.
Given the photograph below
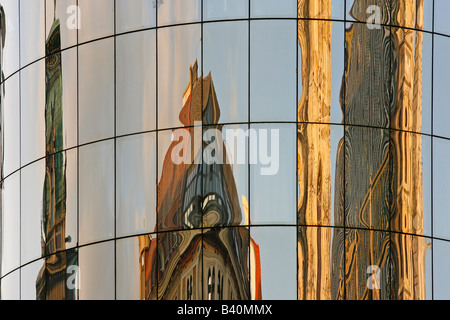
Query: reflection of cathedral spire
190, 197
51, 282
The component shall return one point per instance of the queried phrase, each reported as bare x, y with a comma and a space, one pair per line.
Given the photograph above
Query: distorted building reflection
51, 283
208, 258
382, 168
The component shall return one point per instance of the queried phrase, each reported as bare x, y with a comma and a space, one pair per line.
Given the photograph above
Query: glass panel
273, 163
412, 269
32, 30
60, 203
179, 53
62, 15
176, 163
368, 76
136, 189
135, 258
277, 267
321, 9
441, 22
96, 199
10, 51
31, 226
135, 15
11, 126
97, 19
273, 71
410, 182
226, 59
29, 275
269, 8
320, 174
369, 265
321, 64
178, 11
61, 101
316, 273
226, 274
441, 188
96, 106
136, 82
412, 106
180, 257
33, 112
97, 270
69, 97
415, 14
441, 261
440, 86
225, 9
10, 233
225, 177
11, 286
367, 178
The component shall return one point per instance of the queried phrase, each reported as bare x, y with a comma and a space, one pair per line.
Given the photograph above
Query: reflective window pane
29, 276
179, 61
273, 71
226, 59
267, 243
441, 22
174, 269
271, 9
136, 189
32, 30
135, 15
69, 97
272, 163
33, 112
225, 177
11, 125
367, 176
96, 198
441, 188
178, 11
97, 269
10, 233
134, 261
10, 289
97, 19
32, 177
225, 9
62, 15
10, 51
411, 183
440, 86
136, 82
322, 9
316, 273
96, 111
441, 261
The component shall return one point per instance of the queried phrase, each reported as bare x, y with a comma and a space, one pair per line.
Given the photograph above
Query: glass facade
224, 149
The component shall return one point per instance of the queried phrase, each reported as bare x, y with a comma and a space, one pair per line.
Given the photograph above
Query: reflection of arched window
211, 283
219, 286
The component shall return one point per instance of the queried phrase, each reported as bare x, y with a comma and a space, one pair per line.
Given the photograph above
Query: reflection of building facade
203, 261
51, 282
381, 167
314, 203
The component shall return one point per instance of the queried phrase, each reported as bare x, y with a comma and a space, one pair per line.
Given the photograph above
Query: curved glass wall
224, 149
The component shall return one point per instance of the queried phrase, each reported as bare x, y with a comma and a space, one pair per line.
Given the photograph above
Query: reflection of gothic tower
194, 263
51, 283
314, 205
383, 178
